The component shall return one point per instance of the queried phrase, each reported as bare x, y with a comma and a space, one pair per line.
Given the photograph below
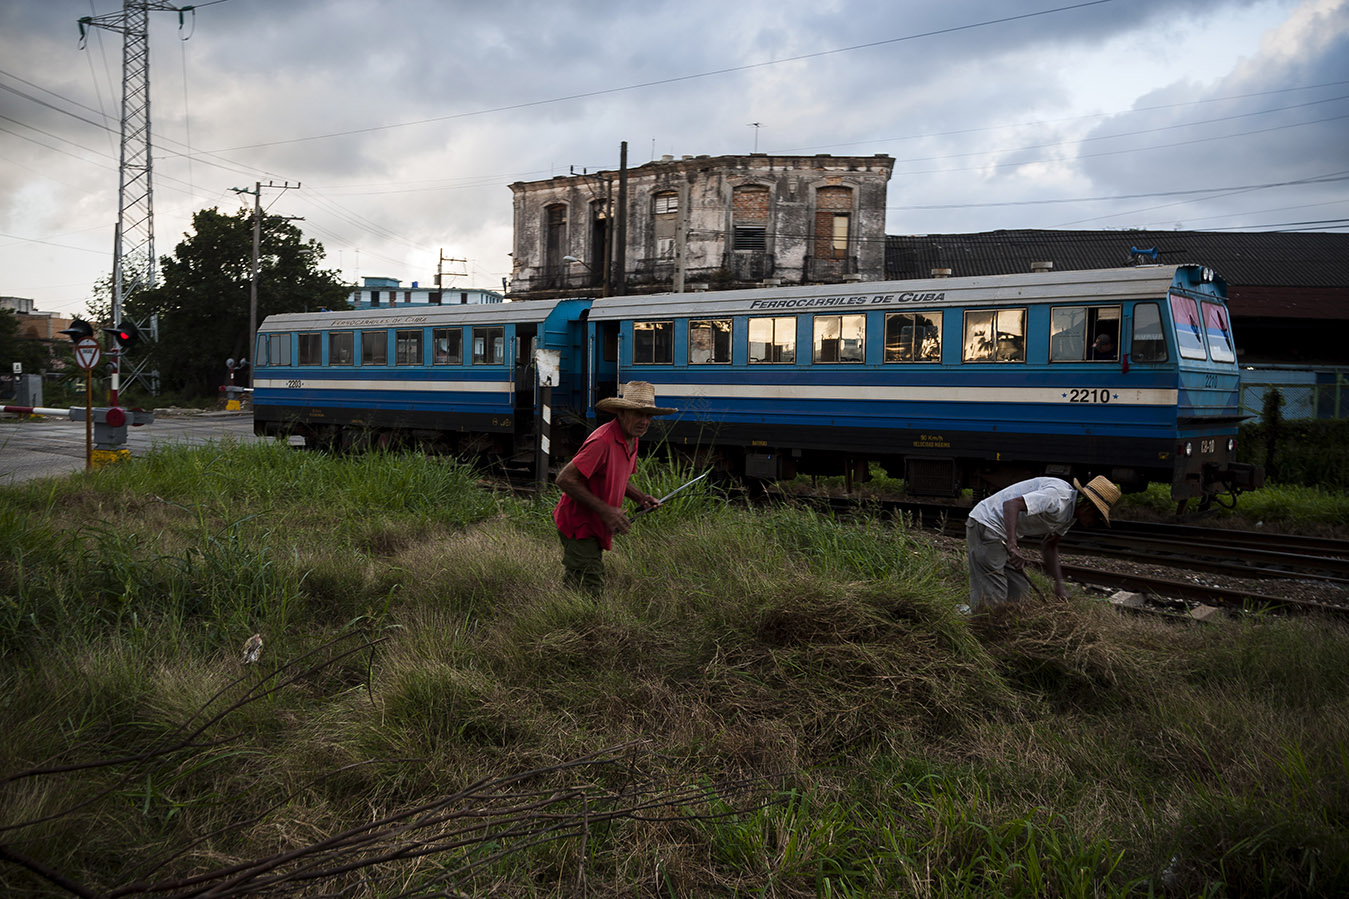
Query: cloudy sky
404, 121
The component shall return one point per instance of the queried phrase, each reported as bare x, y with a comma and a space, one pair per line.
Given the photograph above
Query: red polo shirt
606, 464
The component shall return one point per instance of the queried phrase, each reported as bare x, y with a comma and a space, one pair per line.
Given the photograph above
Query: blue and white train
948, 383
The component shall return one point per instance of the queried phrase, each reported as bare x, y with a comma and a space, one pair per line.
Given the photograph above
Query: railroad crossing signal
78, 330
126, 335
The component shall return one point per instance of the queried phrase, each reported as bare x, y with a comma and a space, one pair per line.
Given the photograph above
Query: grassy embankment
797, 702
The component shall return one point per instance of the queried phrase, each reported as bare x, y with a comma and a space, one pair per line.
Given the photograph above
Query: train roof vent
1041, 266
940, 272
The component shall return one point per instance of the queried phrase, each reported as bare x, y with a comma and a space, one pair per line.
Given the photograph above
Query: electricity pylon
133, 266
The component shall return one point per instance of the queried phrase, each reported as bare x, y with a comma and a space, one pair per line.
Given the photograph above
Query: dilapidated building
702, 221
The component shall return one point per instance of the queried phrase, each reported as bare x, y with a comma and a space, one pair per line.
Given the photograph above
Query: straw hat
636, 396
1102, 492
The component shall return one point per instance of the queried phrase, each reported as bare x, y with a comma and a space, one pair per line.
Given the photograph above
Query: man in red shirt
595, 482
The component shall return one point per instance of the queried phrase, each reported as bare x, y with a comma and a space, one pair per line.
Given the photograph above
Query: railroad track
1174, 565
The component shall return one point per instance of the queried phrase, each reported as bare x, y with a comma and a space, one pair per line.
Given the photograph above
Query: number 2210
1089, 395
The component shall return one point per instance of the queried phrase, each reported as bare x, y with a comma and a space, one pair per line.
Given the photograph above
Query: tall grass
897, 750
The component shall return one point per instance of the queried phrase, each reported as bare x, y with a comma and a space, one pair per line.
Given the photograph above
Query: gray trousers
992, 581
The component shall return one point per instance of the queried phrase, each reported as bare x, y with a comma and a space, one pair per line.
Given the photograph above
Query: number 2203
1089, 395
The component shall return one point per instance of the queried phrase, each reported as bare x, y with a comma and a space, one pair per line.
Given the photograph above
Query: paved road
54, 447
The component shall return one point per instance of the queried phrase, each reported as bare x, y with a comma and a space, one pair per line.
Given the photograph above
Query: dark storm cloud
406, 121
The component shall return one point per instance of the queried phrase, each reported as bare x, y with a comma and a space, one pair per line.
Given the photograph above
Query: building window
489, 346
710, 341
995, 335
750, 208
652, 343
555, 241
447, 346
341, 348
1084, 333
840, 338
666, 223
912, 337
772, 340
311, 349
407, 347
750, 238
433, 298
833, 222
374, 348
374, 298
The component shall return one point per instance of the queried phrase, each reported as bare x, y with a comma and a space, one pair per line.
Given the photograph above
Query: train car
454, 379
948, 383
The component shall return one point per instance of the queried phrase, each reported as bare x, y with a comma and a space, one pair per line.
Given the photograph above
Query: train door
604, 361
524, 376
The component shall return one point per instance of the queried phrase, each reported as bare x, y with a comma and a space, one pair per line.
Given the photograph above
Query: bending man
595, 482
1038, 507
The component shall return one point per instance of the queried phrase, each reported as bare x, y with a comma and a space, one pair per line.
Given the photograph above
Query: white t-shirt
1050, 504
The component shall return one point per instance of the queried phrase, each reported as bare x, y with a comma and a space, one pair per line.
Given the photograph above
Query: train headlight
1231, 444
1189, 448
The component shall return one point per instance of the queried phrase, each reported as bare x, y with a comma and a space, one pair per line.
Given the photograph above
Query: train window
447, 346
1084, 333
274, 349
341, 348
1189, 331
311, 349
912, 337
407, 347
489, 346
1219, 334
772, 339
1149, 343
995, 335
710, 341
839, 338
652, 343
374, 348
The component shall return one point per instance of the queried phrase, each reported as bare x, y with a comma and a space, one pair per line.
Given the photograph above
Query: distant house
700, 221
381, 293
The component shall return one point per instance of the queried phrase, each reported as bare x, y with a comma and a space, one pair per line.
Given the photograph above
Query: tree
203, 298
14, 347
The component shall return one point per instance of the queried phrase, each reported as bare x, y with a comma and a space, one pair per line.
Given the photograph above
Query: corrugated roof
1244, 258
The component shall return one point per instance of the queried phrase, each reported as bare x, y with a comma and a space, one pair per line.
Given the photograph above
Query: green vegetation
1306, 452
791, 700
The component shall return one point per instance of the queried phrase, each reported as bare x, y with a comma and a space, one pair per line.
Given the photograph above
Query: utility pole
256, 193
440, 270
621, 241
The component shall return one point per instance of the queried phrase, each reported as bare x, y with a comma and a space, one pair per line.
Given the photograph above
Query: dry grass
781, 656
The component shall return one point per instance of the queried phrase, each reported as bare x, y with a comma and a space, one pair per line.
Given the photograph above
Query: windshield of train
1189, 331
1219, 333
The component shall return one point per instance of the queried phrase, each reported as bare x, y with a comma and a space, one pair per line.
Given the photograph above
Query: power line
675, 79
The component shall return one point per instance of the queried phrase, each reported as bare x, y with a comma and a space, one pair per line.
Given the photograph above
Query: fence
1307, 393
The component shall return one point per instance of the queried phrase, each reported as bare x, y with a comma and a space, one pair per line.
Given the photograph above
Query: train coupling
1236, 476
